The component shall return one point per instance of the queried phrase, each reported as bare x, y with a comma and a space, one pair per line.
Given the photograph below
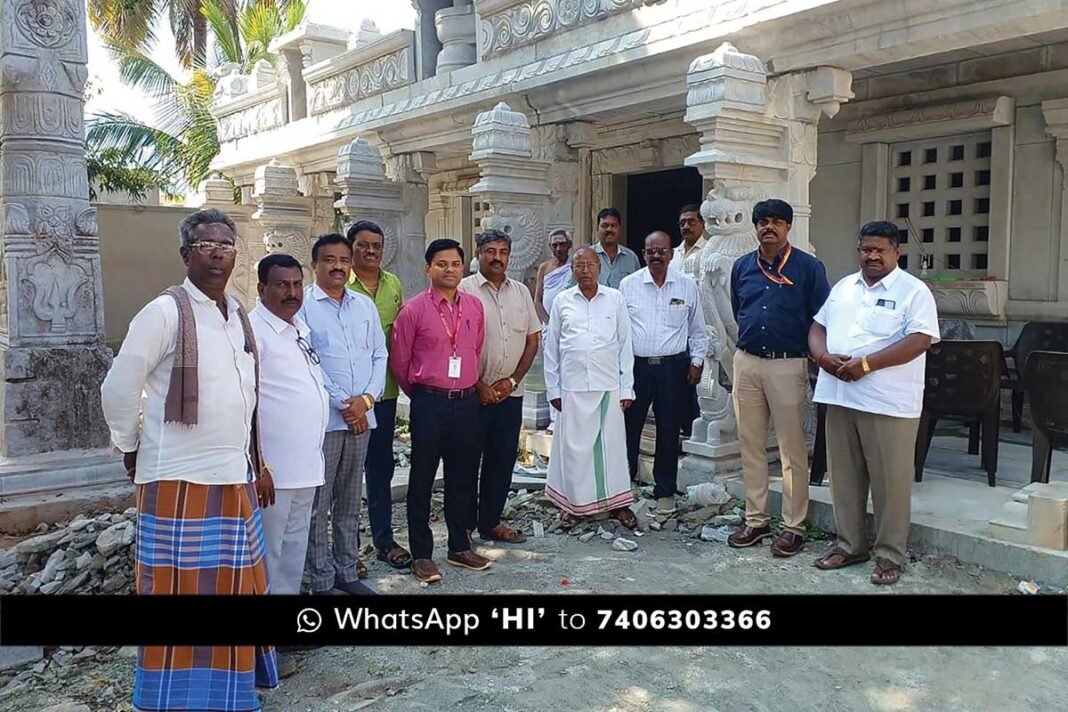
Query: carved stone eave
971, 298
245, 101
931, 121
393, 42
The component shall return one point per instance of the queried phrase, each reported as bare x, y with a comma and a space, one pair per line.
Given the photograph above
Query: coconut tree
181, 143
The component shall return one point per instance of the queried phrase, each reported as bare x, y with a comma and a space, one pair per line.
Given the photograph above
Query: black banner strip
863, 620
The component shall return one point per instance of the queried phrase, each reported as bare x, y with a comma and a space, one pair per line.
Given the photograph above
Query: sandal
396, 556
839, 559
504, 533
361, 569
886, 573
624, 516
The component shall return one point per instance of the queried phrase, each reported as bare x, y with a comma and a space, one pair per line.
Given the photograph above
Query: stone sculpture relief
526, 22
524, 226
382, 74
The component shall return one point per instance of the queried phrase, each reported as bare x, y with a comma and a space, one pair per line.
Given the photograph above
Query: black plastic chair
1046, 376
1036, 336
963, 382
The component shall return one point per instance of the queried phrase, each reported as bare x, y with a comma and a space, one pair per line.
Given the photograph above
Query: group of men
248, 435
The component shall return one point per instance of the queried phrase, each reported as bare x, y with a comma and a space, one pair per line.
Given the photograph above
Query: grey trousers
868, 451
337, 503
285, 537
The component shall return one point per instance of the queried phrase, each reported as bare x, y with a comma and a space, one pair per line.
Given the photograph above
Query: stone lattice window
940, 200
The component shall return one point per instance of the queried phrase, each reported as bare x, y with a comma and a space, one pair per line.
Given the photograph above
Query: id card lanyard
455, 362
779, 279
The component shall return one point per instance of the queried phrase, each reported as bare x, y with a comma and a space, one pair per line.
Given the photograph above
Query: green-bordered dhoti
588, 462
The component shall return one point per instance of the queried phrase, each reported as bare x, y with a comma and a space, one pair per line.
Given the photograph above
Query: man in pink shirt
437, 341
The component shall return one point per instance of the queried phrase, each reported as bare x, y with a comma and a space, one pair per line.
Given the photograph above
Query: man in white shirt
692, 229
347, 335
293, 413
870, 340
667, 330
180, 400
589, 378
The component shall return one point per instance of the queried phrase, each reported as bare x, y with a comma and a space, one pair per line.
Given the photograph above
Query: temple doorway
653, 202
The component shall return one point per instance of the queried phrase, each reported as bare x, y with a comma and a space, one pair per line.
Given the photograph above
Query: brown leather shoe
748, 536
788, 544
426, 571
469, 560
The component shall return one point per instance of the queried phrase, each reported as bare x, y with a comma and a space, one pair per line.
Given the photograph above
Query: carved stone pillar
398, 204
283, 213
757, 140
1055, 112
456, 32
218, 193
514, 183
52, 353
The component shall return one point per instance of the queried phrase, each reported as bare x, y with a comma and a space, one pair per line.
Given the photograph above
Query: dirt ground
634, 679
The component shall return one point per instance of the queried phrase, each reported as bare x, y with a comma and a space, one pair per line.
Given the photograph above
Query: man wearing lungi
190, 445
553, 275
589, 376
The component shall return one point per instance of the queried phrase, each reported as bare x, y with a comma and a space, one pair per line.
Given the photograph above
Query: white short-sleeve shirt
861, 320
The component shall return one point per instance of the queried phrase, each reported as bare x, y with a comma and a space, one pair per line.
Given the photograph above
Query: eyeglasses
207, 247
309, 352
654, 251
580, 266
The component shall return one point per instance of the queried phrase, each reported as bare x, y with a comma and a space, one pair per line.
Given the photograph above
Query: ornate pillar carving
52, 354
757, 140
456, 32
398, 204
284, 215
515, 184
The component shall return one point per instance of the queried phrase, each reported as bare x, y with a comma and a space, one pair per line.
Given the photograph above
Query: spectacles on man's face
308, 350
582, 266
207, 247
654, 251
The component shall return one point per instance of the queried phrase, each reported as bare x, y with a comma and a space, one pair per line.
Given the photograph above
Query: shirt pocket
676, 315
603, 328
882, 322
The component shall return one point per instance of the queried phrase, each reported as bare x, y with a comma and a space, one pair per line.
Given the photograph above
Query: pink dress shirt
421, 346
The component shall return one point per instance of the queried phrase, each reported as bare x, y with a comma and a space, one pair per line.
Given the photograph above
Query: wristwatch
864, 364
513, 382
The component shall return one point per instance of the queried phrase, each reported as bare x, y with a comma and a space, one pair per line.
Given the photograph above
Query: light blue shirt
351, 345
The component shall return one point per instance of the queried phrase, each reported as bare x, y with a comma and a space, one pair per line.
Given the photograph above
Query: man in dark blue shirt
775, 292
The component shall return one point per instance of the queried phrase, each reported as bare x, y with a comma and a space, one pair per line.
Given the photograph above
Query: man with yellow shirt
384, 289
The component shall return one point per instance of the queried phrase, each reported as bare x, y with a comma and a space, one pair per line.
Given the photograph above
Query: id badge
454, 367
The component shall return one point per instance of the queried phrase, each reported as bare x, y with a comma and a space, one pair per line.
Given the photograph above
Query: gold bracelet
865, 365
368, 401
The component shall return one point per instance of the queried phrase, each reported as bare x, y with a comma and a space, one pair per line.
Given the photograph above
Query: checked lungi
200, 540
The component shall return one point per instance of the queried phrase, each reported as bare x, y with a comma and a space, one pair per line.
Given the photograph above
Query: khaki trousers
772, 390
865, 450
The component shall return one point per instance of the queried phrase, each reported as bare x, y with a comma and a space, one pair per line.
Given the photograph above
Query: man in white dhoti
552, 279
589, 376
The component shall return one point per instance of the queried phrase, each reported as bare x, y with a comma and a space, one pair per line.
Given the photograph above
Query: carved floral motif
528, 236
47, 23
254, 119
532, 20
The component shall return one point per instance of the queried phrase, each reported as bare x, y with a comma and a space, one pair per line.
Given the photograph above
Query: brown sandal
396, 556
504, 533
624, 516
839, 559
361, 569
886, 573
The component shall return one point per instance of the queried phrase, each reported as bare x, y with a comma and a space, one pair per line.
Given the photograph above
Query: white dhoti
588, 471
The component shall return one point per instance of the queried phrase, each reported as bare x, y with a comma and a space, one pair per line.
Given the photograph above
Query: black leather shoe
355, 588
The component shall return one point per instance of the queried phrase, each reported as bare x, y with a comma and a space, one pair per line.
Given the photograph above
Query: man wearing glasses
668, 335
293, 413
347, 336
384, 288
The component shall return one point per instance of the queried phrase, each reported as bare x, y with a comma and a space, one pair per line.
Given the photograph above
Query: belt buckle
455, 394
654, 360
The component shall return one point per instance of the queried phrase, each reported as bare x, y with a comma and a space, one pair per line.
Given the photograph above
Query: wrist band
864, 364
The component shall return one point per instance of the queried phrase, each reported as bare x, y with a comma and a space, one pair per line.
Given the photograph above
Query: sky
110, 95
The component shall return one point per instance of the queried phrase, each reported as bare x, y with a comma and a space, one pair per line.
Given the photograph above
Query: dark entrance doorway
653, 202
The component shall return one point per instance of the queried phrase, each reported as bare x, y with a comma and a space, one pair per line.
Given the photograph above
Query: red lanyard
459, 317
779, 279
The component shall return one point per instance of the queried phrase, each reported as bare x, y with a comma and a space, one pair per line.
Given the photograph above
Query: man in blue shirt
348, 341
775, 292
617, 260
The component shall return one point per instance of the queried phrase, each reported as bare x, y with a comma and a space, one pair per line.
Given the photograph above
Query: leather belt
778, 354
449, 393
657, 360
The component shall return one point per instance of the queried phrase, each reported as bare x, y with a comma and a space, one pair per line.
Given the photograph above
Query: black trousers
664, 387
446, 431
500, 447
378, 470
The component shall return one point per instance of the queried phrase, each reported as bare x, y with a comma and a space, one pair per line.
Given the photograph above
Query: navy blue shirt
777, 317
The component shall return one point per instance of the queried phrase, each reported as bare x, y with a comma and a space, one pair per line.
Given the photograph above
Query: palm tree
183, 141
